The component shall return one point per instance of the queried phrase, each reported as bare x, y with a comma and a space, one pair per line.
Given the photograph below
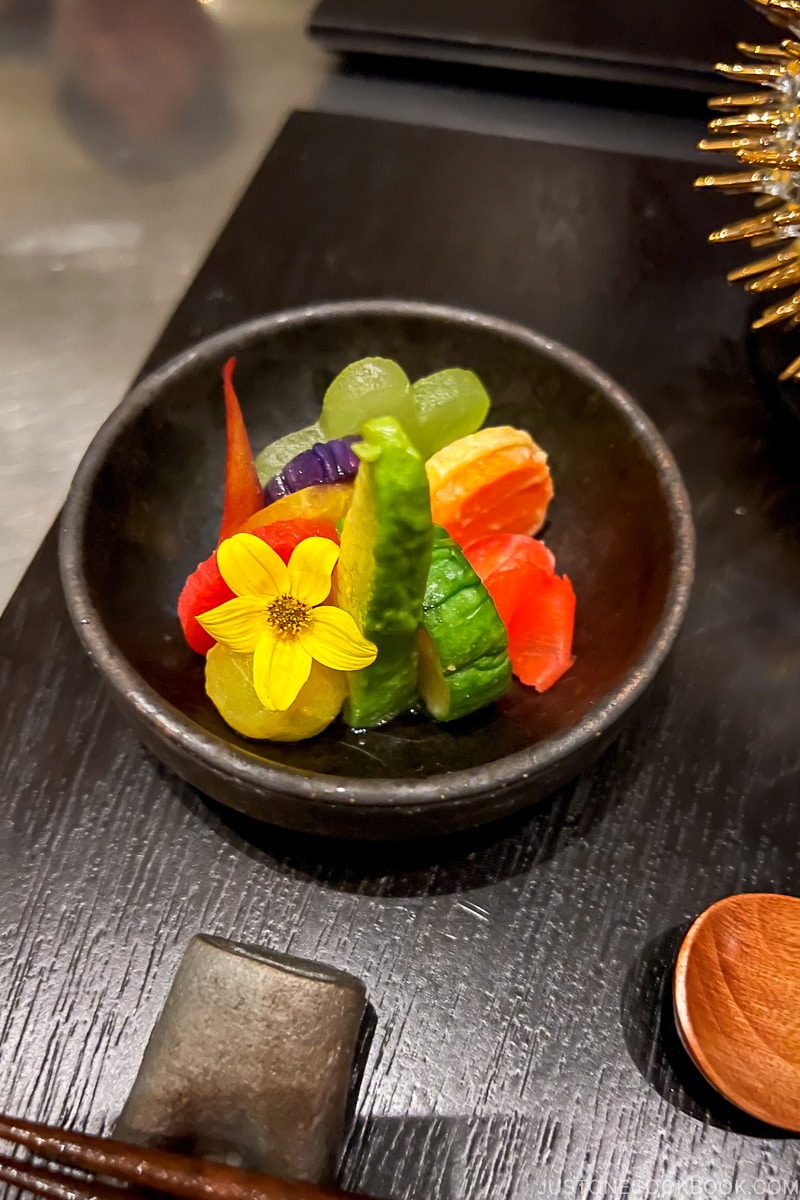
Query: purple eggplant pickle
325, 462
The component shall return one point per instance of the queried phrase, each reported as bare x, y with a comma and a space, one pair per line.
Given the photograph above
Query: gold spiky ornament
762, 128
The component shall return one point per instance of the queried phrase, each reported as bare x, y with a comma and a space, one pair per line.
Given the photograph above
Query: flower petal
310, 569
280, 668
251, 568
334, 639
262, 662
237, 624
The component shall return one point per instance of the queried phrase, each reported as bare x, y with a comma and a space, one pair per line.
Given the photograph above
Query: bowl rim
445, 789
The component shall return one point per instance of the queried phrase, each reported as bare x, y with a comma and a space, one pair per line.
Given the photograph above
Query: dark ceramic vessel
145, 507
250, 1061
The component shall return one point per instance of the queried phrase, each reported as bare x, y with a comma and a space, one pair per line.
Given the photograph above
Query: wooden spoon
736, 993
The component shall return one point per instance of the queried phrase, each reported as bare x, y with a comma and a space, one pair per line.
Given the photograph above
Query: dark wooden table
673, 45
519, 974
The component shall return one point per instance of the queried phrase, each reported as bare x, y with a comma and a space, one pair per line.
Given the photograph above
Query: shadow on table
442, 865
433, 866
452, 863
654, 1044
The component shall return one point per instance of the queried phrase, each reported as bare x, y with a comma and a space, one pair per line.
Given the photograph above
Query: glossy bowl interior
145, 508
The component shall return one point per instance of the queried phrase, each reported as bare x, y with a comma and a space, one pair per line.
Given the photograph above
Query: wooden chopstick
51, 1185
176, 1175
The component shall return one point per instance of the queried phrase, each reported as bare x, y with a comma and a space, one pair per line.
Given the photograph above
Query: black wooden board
671, 44
519, 974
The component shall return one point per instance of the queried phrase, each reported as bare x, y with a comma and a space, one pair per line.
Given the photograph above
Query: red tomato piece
506, 559
540, 633
206, 589
283, 536
495, 550
536, 606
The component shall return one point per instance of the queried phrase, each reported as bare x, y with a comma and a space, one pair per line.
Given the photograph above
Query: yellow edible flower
278, 615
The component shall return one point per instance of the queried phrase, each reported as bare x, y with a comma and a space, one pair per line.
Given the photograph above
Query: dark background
674, 42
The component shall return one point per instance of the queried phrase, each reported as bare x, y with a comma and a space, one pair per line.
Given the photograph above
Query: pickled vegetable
243, 495
464, 663
371, 387
229, 683
495, 480
274, 457
328, 502
383, 570
536, 605
449, 405
206, 589
324, 462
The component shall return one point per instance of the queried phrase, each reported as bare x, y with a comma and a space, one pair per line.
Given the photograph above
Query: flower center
288, 614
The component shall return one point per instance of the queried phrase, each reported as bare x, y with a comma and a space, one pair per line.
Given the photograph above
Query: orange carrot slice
493, 481
243, 492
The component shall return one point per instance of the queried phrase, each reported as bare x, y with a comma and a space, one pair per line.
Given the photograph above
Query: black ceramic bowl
145, 507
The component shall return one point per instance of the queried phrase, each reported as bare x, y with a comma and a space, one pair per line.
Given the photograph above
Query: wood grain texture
737, 1002
520, 975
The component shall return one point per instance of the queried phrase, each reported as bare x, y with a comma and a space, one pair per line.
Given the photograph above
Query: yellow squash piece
321, 502
229, 683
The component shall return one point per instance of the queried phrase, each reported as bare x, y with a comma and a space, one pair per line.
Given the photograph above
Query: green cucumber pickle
464, 662
366, 389
383, 567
